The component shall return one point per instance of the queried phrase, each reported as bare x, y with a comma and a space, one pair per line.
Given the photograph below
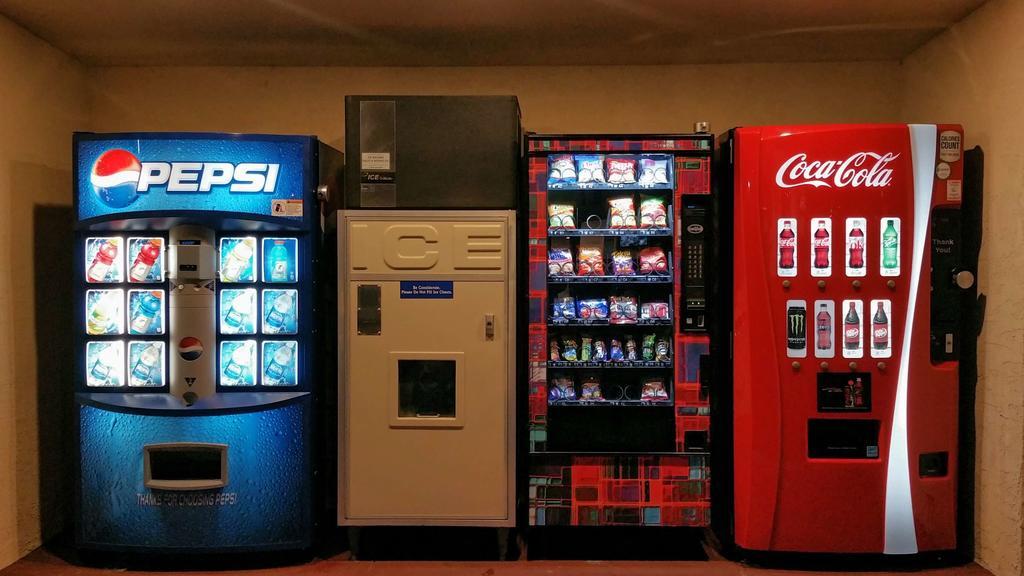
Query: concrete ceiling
482, 32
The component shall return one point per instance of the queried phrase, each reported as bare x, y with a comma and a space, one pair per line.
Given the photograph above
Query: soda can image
280, 260
796, 329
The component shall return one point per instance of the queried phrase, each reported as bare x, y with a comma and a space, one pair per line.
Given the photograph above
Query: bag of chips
591, 256
593, 309
653, 389
621, 213
622, 310
653, 171
631, 352
561, 390
662, 351
648, 347
586, 348
591, 389
615, 352
562, 216
652, 212
553, 352
622, 263
564, 306
560, 258
589, 169
600, 351
620, 169
653, 261
561, 170
654, 310
569, 349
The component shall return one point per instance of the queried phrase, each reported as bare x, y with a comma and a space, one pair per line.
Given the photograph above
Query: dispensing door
427, 369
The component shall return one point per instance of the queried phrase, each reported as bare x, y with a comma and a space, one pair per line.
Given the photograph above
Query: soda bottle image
280, 365
787, 246
822, 243
856, 247
241, 360
102, 262
238, 260
848, 394
142, 372
278, 259
858, 393
824, 328
103, 370
238, 315
890, 246
279, 315
851, 329
145, 312
880, 329
103, 315
144, 262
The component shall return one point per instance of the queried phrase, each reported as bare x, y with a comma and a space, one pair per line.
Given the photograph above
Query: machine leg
354, 532
503, 534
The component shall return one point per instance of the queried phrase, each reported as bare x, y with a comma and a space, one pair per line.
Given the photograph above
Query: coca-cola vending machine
854, 250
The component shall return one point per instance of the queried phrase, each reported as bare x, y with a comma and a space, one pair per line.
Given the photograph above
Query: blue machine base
264, 506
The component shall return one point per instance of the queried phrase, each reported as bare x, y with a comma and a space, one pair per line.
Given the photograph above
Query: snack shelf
638, 279
611, 364
635, 186
558, 323
661, 403
610, 232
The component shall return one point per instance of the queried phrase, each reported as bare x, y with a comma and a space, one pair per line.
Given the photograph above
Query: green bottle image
890, 246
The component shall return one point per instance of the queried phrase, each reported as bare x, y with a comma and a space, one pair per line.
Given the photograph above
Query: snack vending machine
196, 365
618, 271
853, 249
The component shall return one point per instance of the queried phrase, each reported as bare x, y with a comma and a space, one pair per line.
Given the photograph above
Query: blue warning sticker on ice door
420, 289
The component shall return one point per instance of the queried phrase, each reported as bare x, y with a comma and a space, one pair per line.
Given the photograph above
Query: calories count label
821, 247
785, 255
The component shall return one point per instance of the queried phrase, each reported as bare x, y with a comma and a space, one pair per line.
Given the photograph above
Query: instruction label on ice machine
435, 290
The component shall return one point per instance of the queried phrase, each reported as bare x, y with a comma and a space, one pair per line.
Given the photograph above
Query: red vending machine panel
619, 418
846, 245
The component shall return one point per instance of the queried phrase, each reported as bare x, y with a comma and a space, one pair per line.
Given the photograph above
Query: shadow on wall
52, 253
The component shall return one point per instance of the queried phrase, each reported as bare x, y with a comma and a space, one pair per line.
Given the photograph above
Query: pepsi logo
190, 348
115, 177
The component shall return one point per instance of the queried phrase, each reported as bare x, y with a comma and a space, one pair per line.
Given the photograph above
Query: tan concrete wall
974, 74
42, 100
587, 99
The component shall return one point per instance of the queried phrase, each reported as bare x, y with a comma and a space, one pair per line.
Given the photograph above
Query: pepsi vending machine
195, 328
854, 250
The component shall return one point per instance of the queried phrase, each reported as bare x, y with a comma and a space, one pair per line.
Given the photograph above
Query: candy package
591, 256
554, 354
622, 263
600, 351
653, 171
621, 213
562, 170
569, 349
561, 216
622, 310
560, 258
589, 169
631, 353
593, 309
652, 212
586, 348
654, 310
591, 389
648, 347
615, 352
653, 389
620, 170
564, 306
561, 390
662, 351
653, 261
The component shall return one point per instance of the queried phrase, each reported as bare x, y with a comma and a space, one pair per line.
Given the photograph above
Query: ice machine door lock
489, 326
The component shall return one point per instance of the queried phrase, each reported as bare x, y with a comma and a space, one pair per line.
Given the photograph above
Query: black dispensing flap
185, 466
835, 438
933, 464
